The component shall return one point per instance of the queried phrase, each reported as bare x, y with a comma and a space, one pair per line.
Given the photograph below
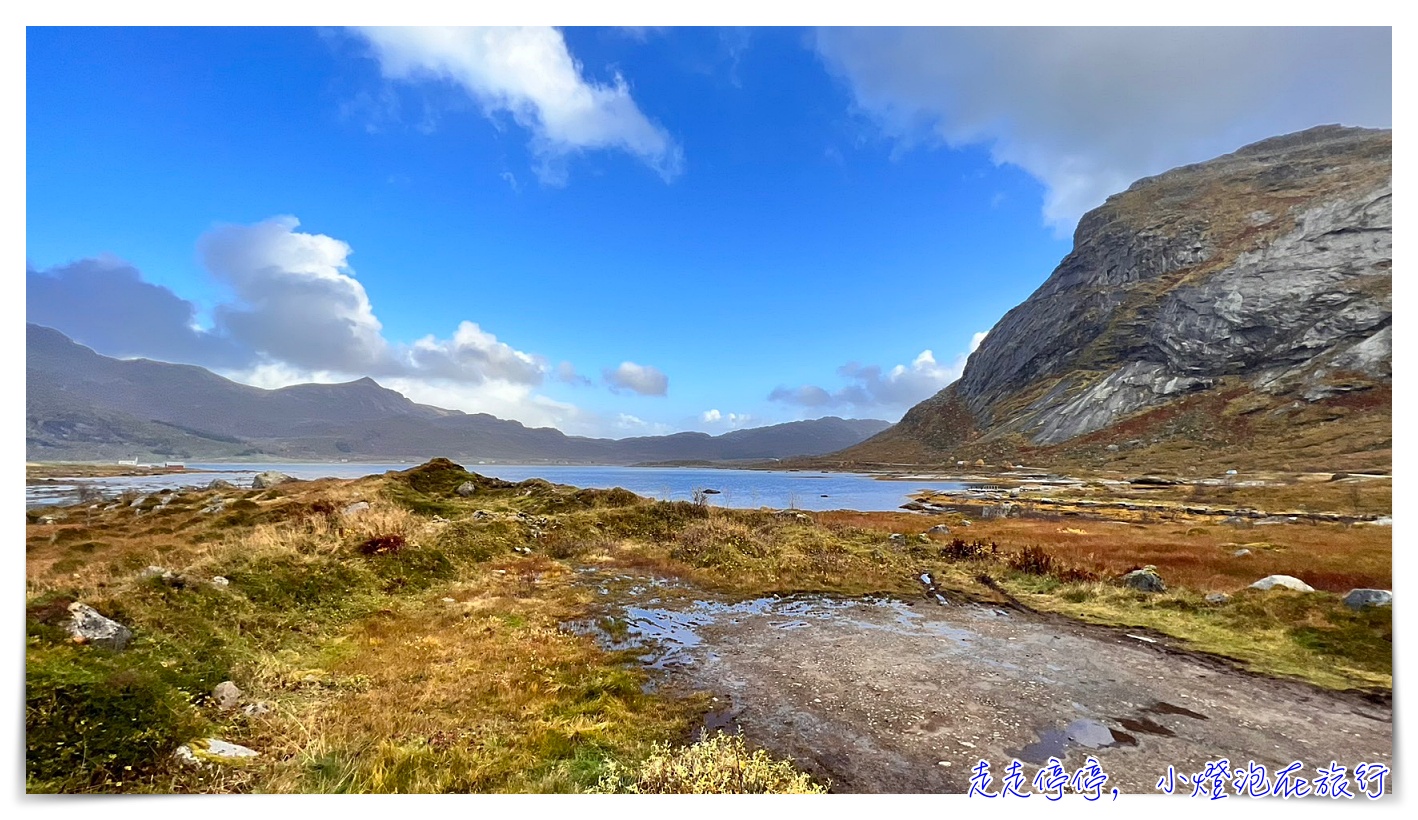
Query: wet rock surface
882, 695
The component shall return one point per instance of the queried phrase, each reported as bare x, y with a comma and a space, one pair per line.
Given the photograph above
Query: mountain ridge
81, 405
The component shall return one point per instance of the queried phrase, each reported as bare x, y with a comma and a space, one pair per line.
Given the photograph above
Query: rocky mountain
1237, 311
81, 406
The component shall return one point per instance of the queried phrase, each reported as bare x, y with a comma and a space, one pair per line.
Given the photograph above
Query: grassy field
414, 646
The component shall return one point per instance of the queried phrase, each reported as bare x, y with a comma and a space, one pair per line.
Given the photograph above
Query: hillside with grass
1231, 314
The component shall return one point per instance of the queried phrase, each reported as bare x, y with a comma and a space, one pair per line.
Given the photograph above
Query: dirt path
889, 696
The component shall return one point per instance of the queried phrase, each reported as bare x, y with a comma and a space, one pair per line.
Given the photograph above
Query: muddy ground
883, 695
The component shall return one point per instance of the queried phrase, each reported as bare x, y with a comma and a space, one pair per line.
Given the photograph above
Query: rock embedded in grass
466, 489
1286, 581
226, 695
1217, 598
938, 529
270, 478
1145, 580
1360, 598
214, 750
355, 509
87, 626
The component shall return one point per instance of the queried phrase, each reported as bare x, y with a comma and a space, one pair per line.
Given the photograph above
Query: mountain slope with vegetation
1235, 313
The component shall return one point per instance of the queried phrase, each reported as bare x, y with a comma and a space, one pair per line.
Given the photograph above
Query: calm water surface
737, 488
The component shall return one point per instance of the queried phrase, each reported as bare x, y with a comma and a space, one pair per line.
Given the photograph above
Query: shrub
383, 545
721, 764
959, 549
93, 716
1032, 560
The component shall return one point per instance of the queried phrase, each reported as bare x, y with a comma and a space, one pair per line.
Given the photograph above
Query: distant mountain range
84, 406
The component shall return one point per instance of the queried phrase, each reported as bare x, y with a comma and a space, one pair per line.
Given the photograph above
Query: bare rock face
1265, 272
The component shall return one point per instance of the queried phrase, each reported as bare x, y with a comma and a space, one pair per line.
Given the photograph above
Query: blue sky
615, 232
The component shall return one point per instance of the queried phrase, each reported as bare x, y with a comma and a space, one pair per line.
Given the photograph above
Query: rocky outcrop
270, 478
1265, 273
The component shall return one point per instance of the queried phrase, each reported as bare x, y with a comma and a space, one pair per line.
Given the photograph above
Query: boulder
355, 509
938, 529
270, 478
466, 489
213, 750
1145, 580
1217, 598
87, 626
1360, 598
226, 695
1286, 581
221, 484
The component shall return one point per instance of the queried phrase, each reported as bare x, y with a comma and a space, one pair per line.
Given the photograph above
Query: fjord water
737, 488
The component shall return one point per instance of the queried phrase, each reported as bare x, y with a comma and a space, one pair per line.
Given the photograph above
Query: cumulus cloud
105, 304
872, 389
566, 374
636, 378
529, 74
1089, 110
731, 420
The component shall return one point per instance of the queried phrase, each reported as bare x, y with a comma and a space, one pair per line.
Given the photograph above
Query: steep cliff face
1255, 283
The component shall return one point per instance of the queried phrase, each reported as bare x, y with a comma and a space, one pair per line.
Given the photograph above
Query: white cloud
1087, 111
529, 74
627, 424
637, 378
873, 390
566, 373
731, 420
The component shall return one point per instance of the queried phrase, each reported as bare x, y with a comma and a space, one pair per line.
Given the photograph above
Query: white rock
214, 750
1286, 581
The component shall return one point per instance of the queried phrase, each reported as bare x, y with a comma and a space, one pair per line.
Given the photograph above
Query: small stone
256, 709
1286, 581
355, 509
1241, 553
1217, 598
1360, 598
897, 538
220, 581
87, 626
450, 600
226, 695
466, 489
153, 572
923, 538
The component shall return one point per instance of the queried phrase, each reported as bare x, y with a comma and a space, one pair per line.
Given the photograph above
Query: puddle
1089, 734
1164, 708
671, 638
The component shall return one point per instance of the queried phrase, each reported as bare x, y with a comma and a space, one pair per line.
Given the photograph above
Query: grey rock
1360, 598
47, 519
87, 626
1217, 598
226, 695
1285, 581
214, 507
221, 484
923, 538
466, 489
214, 750
220, 582
355, 509
1241, 553
896, 538
1145, 580
270, 478
256, 709
939, 529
